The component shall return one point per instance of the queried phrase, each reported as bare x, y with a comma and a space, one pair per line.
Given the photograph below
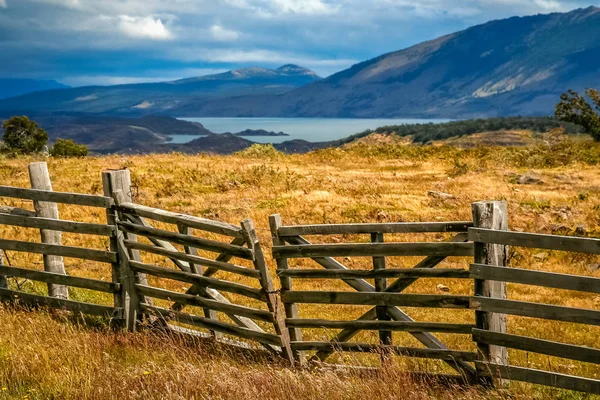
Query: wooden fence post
267, 285
117, 184
379, 263
40, 179
291, 309
491, 215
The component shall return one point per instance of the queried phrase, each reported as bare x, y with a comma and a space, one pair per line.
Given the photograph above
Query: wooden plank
56, 197
262, 337
16, 211
402, 273
537, 278
536, 310
535, 240
203, 244
51, 277
379, 325
448, 355
53, 302
445, 249
176, 254
203, 224
249, 312
538, 377
397, 227
188, 277
57, 225
375, 298
40, 179
59, 250
550, 348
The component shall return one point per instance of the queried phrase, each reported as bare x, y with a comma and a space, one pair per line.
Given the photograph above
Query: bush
23, 136
261, 151
68, 148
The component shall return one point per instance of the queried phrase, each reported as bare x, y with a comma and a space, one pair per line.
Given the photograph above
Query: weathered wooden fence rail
193, 275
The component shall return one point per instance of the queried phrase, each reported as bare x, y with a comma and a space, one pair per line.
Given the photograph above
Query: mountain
165, 97
515, 66
15, 87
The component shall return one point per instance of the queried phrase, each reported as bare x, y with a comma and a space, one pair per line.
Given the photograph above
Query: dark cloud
108, 41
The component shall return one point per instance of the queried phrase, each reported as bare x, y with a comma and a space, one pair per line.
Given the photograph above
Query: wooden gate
386, 316
486, 336
250, 309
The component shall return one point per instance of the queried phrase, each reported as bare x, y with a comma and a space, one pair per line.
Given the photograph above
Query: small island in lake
259, 132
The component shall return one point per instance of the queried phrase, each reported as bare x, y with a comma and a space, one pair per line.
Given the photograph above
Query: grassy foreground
42, 356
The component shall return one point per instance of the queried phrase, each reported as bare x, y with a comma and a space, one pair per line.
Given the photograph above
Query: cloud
3, 4
144, 28
223, 34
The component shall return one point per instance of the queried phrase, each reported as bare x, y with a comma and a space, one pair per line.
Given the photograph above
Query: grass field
42, 356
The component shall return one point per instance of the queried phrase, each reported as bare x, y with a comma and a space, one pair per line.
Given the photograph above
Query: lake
311, 129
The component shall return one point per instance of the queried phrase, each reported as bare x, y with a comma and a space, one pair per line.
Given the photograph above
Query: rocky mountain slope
515, 66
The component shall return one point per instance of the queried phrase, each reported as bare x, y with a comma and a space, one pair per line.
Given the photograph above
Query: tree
68, 148
576, 109
21, 135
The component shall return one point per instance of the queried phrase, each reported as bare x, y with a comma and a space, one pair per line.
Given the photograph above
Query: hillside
11, 87
173, 97
515, 66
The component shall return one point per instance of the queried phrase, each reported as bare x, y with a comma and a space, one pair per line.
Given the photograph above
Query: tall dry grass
43, 357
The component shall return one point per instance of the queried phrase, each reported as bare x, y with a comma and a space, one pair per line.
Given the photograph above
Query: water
310, 129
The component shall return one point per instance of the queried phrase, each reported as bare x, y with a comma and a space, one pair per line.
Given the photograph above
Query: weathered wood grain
375, 298
59, 250
445, 249
203, 244
51, 277
538, 377
537, 278
249, 312
556, 349
188, 277
536, 310
53, 302
56, 197
261, 337
398, 227
203, 224
536, 240
380, 325
57, 225
220, 266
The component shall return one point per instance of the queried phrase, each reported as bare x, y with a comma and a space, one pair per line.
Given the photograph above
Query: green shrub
68, 148
23, 136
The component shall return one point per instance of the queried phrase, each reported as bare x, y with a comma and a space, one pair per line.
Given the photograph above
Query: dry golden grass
45, 358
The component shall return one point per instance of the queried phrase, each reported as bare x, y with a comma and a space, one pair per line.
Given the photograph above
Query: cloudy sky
81, 42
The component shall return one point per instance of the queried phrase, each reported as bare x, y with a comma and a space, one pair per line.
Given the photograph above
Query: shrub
23, 136
68, 148
261, 151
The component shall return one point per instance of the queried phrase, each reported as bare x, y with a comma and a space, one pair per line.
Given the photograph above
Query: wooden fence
193, 275
46, 219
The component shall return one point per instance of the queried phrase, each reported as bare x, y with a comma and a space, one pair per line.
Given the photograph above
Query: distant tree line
23, 136
423, 133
